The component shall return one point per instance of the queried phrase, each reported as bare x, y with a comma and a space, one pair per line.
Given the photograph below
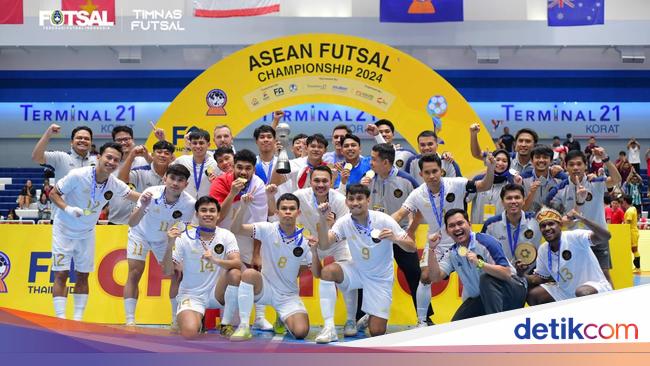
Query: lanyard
287, 238
361, 228
512, 240
163, 199
259, 170
94, 187
198, 176
197, 233
437, 212
550, 260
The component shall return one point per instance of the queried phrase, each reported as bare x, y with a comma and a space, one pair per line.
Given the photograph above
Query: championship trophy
282, 132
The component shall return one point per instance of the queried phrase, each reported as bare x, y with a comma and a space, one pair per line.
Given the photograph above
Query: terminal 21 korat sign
603, 120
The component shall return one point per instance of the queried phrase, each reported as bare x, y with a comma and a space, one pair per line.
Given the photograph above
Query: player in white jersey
285, 254
80, 195
320, 192
370, 236
201, 165
431, 200
539, 181
563, 196
159, 208
211, 268
566, 259
514, 227
79, 156
384, 132
428, 144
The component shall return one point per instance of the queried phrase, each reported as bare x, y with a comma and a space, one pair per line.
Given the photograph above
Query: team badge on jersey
297, 251
566, 255
108, 195
176, 214
399, 163
528, 234
450, 197
218, 248
589, 196
398, 193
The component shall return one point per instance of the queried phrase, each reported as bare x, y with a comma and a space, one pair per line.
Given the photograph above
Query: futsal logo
216, 100
5, 267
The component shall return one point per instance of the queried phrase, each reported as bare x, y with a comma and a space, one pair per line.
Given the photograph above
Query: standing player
225, 158
490, 283
567, 260
431, 200
539, 181
428, 144
370, 236
525, 141
62, 162
285, 254
198, 164
148, 229
310, 198
266, 144
354, 166
337, 156
513, 226
81, 195
632, 218
384, 132
200, 250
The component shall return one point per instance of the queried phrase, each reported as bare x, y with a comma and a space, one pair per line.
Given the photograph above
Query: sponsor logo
216, 100
569, 328
71, 19
5, 267
157, 20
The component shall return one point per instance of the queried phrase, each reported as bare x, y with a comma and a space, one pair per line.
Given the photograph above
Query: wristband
605, 160
480, 264
579, 203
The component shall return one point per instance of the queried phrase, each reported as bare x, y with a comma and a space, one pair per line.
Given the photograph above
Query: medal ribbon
437, 212
550, 260
286, 238
198, 176
198, 231
512, 240
94, 188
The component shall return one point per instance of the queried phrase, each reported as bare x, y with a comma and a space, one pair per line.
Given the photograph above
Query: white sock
174, 308
245, 298
230, 297
260, 311
129, 309
351, 300
59, 306
423, 297
327, 290
80, 301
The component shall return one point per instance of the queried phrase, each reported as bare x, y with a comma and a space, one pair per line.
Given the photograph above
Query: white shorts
440, 253
377, 295
197, 303
559, 294
339, 251
138, 249
284, 305
65, 250
245, 244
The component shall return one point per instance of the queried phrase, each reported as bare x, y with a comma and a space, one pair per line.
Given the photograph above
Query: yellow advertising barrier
27, 280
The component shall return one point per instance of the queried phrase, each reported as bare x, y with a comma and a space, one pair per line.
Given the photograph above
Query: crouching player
210, 260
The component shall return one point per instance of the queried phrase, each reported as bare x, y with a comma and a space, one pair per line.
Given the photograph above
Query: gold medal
87, 212
526, 253
462, 251
347, 166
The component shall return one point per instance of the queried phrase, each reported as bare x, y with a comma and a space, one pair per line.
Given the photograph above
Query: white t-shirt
200, 275
63, 162
280, 264
309, 216
634, 155
454, 195
449, 170
77, 189
159, 216
374, 260
120, 208
199, 185
573, 264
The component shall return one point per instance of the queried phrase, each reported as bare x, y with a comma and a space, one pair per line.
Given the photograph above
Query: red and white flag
234, 8
11, 11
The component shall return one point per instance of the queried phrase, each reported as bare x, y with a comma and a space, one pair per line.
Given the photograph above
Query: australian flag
421, 11
566, 13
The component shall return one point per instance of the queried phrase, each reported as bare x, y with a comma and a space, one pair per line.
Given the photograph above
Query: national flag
91, 5
234, 8
11, 11
421, 11
565, 13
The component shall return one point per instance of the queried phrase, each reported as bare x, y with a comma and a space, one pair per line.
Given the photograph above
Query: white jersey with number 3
280, 265
159, 216
375, 260
200, 275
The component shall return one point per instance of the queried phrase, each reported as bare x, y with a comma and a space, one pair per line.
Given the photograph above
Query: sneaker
422, 324
327, 335
263, 325
226, 330
350, 329
278, 326
637, 270
243, 333
130, 324
362, 323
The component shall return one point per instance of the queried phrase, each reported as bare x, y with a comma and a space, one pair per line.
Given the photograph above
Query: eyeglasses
124, 139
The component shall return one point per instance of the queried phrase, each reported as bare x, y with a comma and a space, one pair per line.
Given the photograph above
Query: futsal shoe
263, 325
362, 324
130, 324
350, 328
243, 333
278, 326
327, 335
422, 324
226, 330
